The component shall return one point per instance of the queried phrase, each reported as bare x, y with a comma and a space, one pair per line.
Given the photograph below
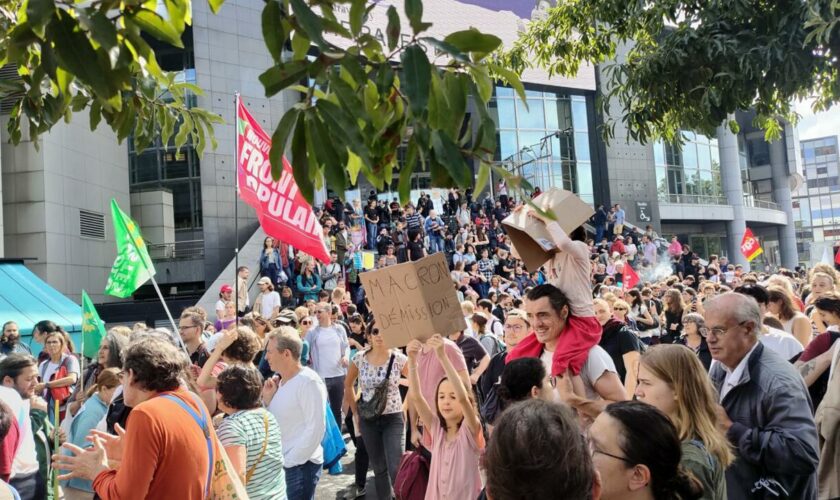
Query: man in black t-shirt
416, 250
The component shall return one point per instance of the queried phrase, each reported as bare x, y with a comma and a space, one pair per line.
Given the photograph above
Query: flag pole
82, 377
236, 206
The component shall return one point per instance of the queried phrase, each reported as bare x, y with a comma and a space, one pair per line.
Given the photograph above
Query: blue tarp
27, 299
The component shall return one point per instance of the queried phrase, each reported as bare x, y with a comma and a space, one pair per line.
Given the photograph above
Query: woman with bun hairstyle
636, 450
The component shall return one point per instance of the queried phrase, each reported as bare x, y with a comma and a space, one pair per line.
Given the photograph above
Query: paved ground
334, 487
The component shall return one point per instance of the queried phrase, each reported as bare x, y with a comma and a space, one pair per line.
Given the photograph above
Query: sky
812, 126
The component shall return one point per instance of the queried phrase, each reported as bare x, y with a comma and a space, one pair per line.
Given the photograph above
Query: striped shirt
247, 428
414, 221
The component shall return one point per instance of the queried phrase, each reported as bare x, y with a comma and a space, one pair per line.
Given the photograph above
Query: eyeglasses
593, 449
719, 331
515, 328
375, 332
620, 308
186, 327
306, 322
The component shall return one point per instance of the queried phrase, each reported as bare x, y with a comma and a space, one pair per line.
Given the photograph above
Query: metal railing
756, 203
693, 199
180, 250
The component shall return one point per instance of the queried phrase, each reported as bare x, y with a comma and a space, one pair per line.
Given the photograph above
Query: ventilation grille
9, 72
91, 225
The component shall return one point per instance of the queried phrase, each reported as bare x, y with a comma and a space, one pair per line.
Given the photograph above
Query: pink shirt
431, 372
570, 271
453, 474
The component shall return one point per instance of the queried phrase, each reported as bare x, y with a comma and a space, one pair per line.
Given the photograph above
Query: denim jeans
435, 244
301, 481
335, 395
361, 457
385, 441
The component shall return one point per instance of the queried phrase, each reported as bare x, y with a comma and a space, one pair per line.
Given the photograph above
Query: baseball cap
226, 289
286, 317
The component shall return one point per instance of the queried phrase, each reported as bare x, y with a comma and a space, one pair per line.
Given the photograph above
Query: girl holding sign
454, 425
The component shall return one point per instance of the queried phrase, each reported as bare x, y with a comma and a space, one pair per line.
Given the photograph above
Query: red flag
837, 256
629, 278
750, 246
281, 209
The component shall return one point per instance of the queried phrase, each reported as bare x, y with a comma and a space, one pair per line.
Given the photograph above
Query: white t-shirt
26, 460
300, 406
597, 362
270, 300
327, 346
781, 342
50, 369
220, 308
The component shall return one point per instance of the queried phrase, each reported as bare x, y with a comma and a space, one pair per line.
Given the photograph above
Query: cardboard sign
530, 237
414, 300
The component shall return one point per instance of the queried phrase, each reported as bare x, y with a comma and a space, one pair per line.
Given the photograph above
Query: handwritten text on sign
413, 300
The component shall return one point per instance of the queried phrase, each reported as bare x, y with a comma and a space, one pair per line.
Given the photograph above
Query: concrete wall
229, 56
43, 190
630, 167
152, 211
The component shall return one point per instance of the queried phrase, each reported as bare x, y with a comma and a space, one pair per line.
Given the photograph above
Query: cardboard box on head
414, 300
529, 235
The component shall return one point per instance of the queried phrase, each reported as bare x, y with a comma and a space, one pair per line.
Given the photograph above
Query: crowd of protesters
704, 380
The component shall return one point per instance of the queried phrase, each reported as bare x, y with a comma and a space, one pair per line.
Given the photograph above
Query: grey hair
695, 318
286, 338
741, 308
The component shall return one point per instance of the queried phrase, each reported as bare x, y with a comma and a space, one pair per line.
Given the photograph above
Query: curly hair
245, 347
156, 366
240, 387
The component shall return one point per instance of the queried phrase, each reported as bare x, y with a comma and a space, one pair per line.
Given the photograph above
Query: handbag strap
262, 452
202, 423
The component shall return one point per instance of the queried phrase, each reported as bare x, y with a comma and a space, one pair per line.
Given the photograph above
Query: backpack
412, 476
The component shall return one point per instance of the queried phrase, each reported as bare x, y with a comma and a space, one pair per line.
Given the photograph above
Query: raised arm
415, 396
471, 417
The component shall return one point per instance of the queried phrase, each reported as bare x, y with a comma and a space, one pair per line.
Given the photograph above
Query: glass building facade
162, 166
816, 204
690, 173
547, 140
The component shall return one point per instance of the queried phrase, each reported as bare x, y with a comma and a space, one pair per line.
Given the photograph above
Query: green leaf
215, 5
300, 45
348, 99
456, 97
74, 51
277, 78
309, 21
156, 26
354, 165
347, 129
472, 40
272, 29
326, 153
445, 48
482, 179
417, 77
38, 13
414, 12
393, 29
102, 30
300, 162
357, 16
512, 79
179, 14
448, 155
278, 141
404, 185
483, 82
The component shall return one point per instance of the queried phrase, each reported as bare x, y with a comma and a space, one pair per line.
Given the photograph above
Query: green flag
133, 266
93, 329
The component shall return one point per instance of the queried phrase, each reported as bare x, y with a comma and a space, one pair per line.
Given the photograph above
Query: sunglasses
306, 322
375, 332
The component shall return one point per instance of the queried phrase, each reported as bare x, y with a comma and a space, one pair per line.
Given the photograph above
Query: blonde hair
823, 268
337, 294
121, 330
621, 303
695, 397
467, 307
518, 314
301, 312
821, 275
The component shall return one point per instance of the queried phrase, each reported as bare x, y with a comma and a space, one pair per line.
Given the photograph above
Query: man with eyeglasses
765, 409
328, 352
190, 327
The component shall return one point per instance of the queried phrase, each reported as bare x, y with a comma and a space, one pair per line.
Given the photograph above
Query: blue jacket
773, 431
264, 259
86, 419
